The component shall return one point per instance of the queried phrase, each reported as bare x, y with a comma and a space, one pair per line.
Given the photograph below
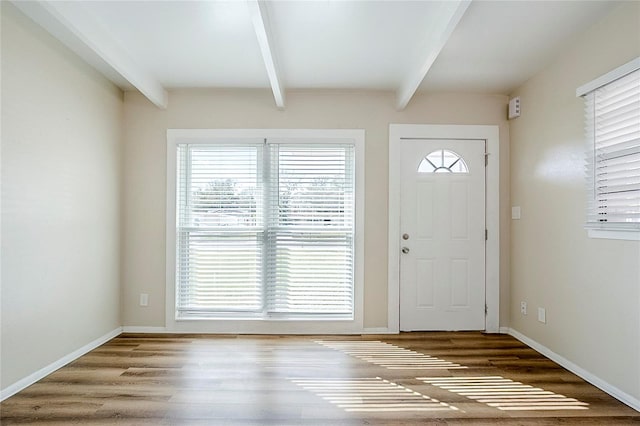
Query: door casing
473, 133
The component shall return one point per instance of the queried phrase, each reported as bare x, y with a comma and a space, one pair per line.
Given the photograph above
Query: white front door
442, 228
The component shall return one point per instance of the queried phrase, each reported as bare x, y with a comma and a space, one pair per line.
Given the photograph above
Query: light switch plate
542, 315
515, 212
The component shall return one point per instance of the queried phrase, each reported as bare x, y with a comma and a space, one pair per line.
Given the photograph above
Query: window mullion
267, 206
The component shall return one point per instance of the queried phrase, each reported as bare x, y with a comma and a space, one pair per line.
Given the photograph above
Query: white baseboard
579, 371
45, 371
239, 331
160, 330
377, 330
150, 330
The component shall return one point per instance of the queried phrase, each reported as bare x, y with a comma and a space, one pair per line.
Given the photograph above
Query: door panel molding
490, 134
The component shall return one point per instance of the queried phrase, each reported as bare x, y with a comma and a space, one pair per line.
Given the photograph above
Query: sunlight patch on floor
389, 356
505, 394
371, 395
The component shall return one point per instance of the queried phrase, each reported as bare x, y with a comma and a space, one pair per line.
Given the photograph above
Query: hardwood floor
462, 378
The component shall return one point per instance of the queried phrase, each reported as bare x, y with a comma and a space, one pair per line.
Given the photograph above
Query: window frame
614, 231
220, 324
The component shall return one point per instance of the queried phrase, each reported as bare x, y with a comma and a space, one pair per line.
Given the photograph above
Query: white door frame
490, 134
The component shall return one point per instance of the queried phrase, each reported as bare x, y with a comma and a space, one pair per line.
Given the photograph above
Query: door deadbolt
405, 250
405, 236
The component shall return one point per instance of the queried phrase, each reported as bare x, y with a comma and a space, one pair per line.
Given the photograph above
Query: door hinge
486, 159
486, 309
486, 234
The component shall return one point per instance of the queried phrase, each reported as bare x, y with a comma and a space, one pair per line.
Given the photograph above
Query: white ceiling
456, 45
499, 45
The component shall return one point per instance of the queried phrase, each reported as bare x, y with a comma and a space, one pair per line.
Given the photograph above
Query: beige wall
589, 287
61, 136
145, 175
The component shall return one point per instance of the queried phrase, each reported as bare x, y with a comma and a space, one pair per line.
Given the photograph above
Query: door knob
405, 250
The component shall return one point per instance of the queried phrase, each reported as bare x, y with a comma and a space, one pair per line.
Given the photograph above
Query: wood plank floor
462, 378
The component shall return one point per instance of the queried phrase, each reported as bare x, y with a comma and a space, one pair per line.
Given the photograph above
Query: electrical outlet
542, 315
523, 308
144, 299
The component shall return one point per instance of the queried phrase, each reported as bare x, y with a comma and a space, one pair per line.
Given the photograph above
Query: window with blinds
612, 117
265, 230
310, 235
219, 229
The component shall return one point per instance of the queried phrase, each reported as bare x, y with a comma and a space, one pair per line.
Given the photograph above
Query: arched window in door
443, 161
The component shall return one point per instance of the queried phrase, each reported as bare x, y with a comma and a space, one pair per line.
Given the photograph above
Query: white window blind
612, 116
219, 229
265, 230
310, 238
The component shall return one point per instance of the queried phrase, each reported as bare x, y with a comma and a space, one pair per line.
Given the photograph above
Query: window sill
615, 234
301, 318
253, 326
